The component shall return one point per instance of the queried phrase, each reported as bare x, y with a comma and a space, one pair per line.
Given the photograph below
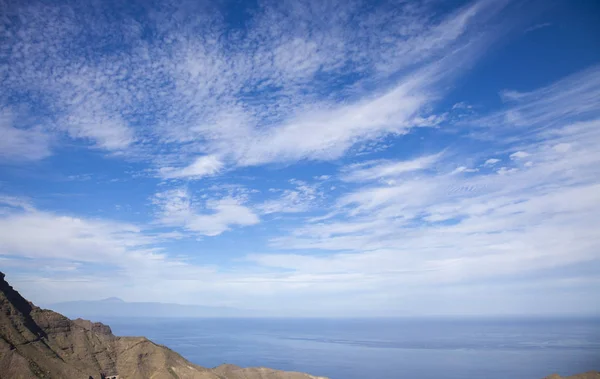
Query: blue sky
318, 158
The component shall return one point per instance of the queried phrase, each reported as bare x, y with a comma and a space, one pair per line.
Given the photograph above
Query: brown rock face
39, 343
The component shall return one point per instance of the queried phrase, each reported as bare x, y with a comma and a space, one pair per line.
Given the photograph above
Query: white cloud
460, 169
519, 155
562, 147
570, 99
102, 257
436, 227
177, 208
227, 212
372, 170
106, 131
537, 26
506, 170
203, 166
462, 105
15, 202
293, 124
327, 134
195, 93
73, 239
432, 229
29, 144
491, 162
300, 199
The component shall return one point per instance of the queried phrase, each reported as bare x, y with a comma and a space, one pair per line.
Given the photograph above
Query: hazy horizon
137, 310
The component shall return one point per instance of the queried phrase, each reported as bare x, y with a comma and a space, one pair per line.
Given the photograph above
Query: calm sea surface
383, 348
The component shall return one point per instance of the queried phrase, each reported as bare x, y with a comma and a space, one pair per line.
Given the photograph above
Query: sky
303, 158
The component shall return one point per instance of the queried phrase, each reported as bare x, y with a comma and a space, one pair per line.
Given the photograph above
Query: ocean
383, 348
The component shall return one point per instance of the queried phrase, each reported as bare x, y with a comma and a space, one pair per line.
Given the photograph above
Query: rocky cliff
39, 343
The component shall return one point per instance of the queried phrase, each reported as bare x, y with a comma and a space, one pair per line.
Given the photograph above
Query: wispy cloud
537, 26
21, 143
203, 166
177, 208
569, 99
491, 162
434, 226
372, 170
15, 202
74, 239
302, 198
218, 100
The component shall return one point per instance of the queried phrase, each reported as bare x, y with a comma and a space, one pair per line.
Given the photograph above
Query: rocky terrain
39, 343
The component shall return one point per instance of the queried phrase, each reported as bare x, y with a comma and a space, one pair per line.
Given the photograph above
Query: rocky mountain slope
39, 343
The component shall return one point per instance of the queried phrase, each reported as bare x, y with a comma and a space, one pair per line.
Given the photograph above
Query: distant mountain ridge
112, 300
39, 343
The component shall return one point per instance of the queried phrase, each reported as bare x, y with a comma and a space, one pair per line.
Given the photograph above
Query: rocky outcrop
39, 343
96, 327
